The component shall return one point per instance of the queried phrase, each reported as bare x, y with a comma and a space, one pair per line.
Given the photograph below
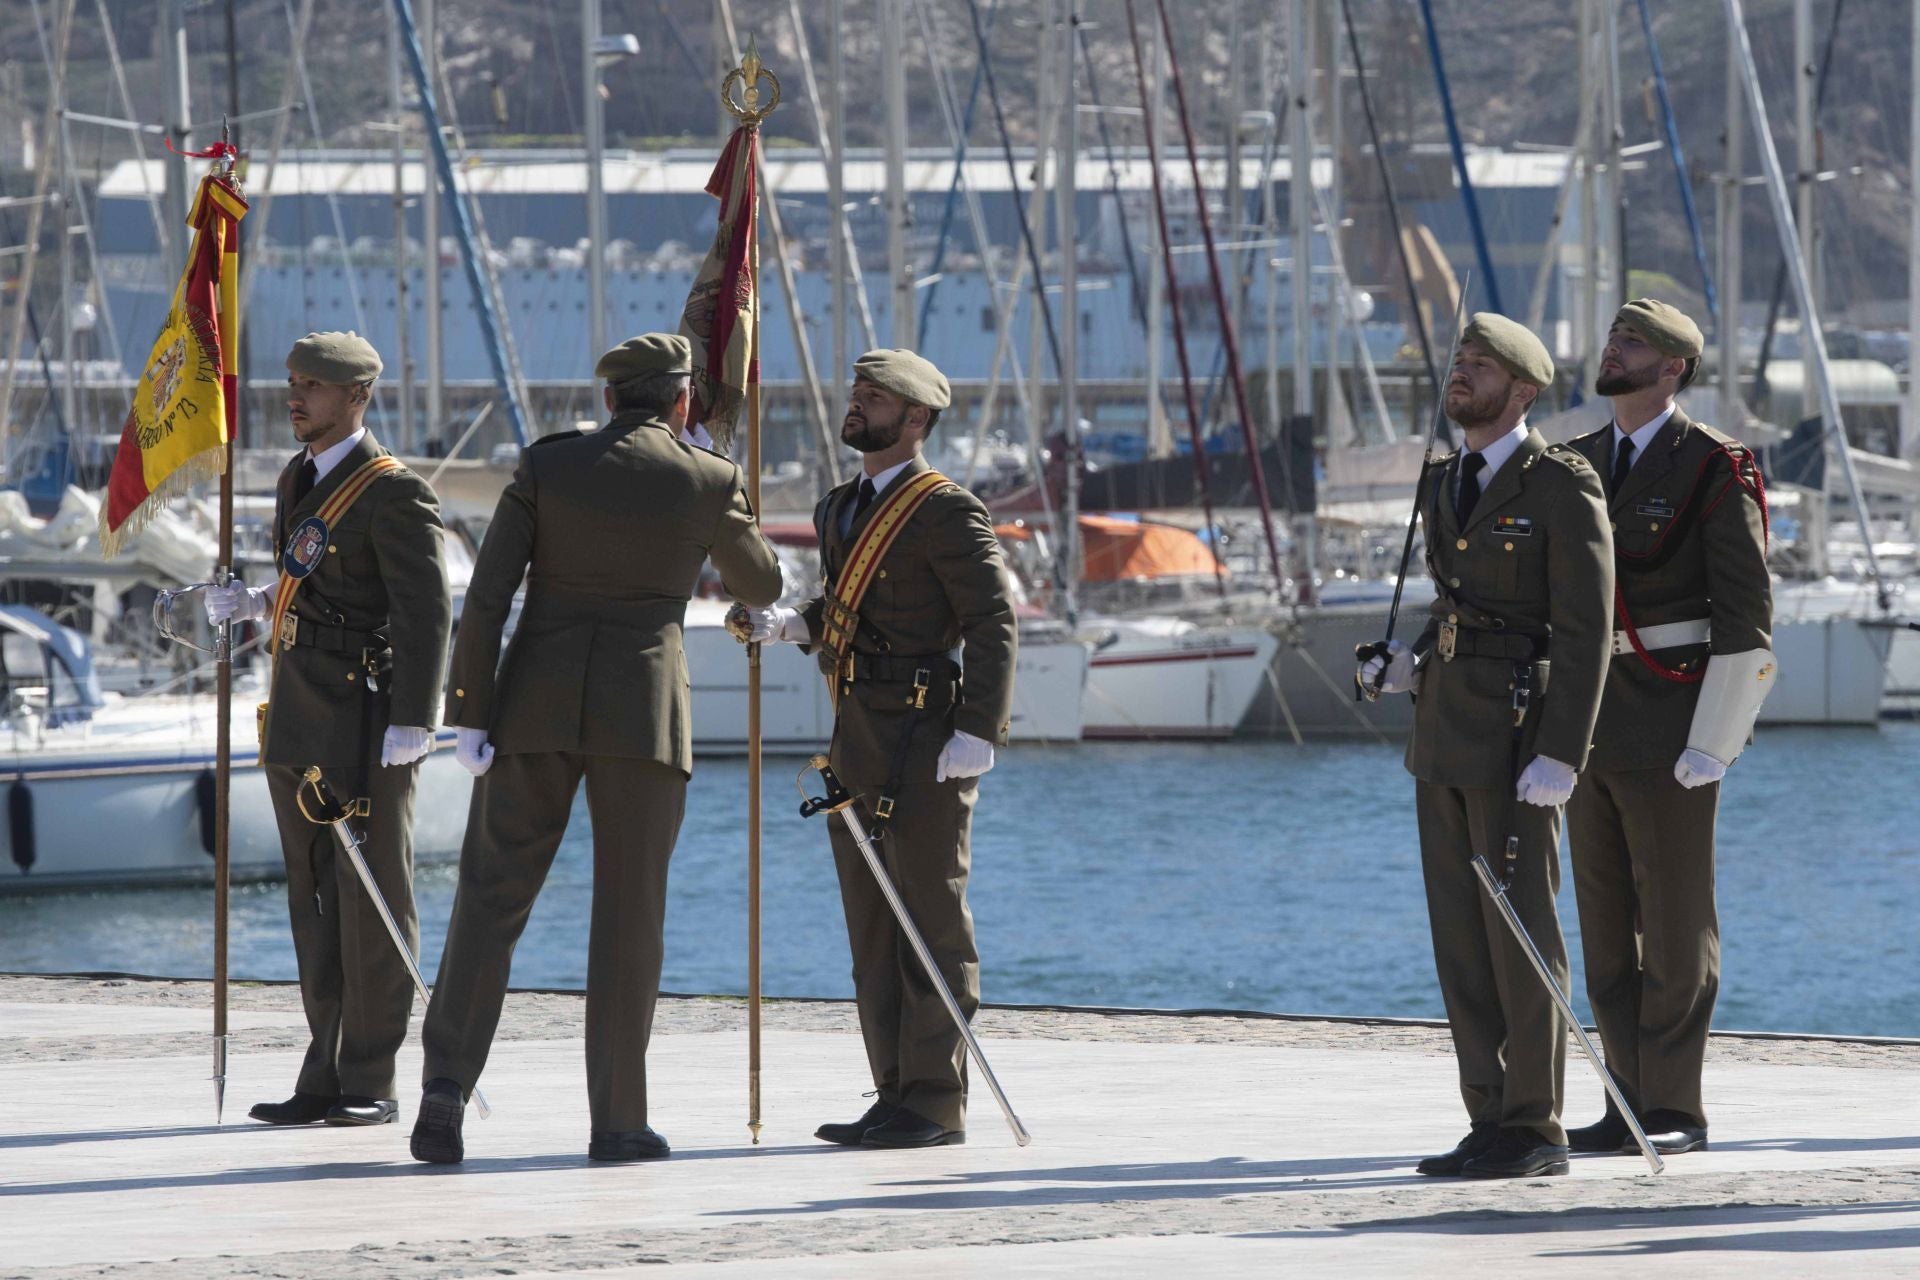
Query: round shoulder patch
305, 547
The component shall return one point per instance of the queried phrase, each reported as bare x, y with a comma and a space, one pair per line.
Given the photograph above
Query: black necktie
861, 501
1470, 465
1622, 463
304, 482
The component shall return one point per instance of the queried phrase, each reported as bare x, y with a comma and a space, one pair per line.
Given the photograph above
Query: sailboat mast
402, 311
1066, 187
1159, 429
1300, 208
170, 41
595, 124
1732, 412
837, 256
1910, 436
1806, 159
430, 235
893, 78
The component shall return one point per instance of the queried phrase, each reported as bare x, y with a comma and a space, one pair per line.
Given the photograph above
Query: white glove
964, 756
473, 751
1697, 768
1545, 782
1398, 664
404, 743
236, 601
777, 622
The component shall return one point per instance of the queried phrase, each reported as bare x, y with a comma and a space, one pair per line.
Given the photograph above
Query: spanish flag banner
721, 309
176, 433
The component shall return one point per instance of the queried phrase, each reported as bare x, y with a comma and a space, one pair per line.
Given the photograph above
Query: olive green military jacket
1712, 566
1535, 557
610, 529
942, 585
384, 571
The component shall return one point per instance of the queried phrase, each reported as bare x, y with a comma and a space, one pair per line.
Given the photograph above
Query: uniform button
1453, 582
1509, 546
1454, 618
883, 573
1655, 527
331, 549
459, 693
349, 675
1461, 545
1614, 525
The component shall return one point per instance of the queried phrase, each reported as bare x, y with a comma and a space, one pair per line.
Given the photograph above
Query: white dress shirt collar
330, 458
1494, 455
1641, 438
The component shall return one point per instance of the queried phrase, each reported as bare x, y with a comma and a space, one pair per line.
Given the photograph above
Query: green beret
1665, 327
910, 376
1513, 345
648, 354
345, 359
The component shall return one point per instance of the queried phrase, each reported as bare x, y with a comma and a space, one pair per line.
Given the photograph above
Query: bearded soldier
359, 634
1522, 565
913, 573
1691, 663
609, 529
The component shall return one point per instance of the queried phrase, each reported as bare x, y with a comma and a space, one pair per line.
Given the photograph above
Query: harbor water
1245, 875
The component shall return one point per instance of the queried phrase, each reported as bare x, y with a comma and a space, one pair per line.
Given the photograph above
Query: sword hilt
837, 797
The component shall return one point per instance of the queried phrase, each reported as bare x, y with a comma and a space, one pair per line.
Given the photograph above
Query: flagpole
223, 693
754, 814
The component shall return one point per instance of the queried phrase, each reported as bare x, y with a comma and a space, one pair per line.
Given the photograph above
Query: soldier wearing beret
1690, 665
1522, 564
911, 737
360, 625
609, 529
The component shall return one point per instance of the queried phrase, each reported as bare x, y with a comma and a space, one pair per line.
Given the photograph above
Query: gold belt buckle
289, 631
1449, 637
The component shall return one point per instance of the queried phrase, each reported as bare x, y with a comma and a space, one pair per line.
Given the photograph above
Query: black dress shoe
436, 1130
301, 1108
352, 1109
1671, 1133
1609, 1133
1518, 1153
906, 1128
849, 1135
1448, 1164
637, 1144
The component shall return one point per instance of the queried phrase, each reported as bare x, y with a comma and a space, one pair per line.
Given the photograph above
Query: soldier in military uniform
911, 738
1522, 564
610, 529
1691, 663
360, 626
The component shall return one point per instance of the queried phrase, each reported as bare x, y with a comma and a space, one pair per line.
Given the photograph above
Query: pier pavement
1164, 1145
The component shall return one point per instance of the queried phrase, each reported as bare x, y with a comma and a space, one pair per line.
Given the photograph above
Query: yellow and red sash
841, 616
308, 542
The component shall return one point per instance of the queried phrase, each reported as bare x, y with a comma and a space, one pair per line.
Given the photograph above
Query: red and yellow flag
176, 433
721, 307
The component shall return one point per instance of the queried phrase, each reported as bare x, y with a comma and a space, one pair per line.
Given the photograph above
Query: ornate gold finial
747, 77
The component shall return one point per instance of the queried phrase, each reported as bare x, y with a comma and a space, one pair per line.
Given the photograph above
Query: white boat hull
118, 802
1197, 683
796, 710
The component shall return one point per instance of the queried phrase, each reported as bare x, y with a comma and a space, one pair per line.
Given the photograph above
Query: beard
868, 436
1479, 410
1626, 382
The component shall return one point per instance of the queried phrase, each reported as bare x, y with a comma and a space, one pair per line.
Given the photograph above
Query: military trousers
354, 985
1643, 878
517, 817
1508, 1036
917, 1055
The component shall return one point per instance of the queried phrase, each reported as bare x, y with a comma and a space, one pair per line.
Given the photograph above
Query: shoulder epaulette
1569, 457
556, 435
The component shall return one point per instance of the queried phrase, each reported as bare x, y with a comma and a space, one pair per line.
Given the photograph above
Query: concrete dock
1163, 1145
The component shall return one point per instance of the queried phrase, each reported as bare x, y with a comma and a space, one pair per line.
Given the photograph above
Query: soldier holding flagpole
180, 429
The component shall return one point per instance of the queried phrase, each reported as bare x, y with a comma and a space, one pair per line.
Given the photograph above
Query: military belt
1473, 643
298, 632
1666, 635
892, 669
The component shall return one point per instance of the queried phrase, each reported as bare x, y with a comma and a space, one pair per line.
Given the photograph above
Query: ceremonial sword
334, 814
1381, 648
1497, 890
839, 800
